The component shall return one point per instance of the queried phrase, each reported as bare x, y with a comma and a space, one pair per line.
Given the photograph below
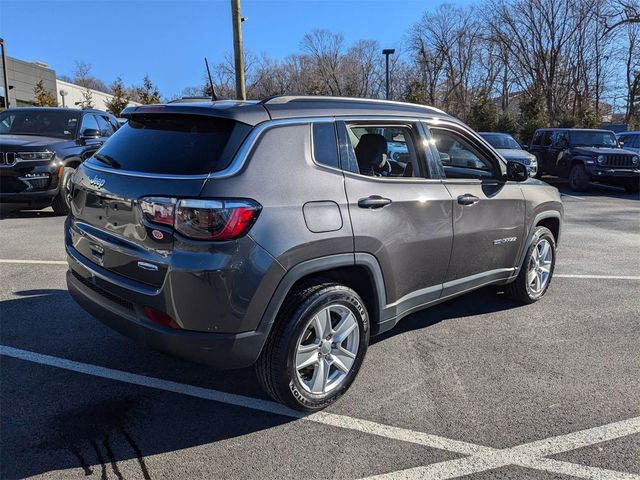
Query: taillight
159, 209
203, 219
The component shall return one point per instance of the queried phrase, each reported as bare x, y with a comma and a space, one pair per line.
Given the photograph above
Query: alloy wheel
327, 349
539, 270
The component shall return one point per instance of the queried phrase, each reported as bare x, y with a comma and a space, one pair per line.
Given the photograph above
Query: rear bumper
219, 350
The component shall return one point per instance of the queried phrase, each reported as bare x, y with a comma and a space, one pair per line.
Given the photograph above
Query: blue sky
169, 38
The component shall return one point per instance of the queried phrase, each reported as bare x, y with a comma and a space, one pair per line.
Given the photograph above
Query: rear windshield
173, 144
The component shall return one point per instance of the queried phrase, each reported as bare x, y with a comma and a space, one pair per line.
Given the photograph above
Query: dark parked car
510, 149
41, 147
584, 156
630, 141
234, 233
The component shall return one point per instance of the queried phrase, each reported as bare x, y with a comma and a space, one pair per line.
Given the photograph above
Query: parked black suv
41, 147
280, 233
584, 156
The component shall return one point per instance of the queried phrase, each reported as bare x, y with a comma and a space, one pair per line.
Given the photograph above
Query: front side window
537, 137
383, 150
325, 144
459, 158
41, 122
546, 138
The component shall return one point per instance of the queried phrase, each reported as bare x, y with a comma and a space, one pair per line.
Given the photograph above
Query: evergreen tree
43, 97
87, 99
119, 101
482, 116
532, 115
148, 92
506, 124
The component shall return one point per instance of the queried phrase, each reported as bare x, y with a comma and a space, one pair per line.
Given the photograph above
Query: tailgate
108, 228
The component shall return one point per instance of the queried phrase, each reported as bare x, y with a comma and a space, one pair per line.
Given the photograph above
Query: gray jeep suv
279, 233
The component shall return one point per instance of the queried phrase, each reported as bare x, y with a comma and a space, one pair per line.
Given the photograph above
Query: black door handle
374, 201
468, 199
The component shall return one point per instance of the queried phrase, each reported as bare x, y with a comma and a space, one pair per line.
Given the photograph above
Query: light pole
4, 75
237, 19
386, 52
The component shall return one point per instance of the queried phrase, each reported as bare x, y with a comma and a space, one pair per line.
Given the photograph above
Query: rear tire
536, 271
60, 203
308, 367
578, 178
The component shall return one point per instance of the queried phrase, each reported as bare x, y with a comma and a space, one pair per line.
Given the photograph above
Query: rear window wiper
107, 159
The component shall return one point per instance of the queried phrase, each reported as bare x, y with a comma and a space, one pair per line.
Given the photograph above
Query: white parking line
331, 419
35, 262
478, 457
597, 277
571, 196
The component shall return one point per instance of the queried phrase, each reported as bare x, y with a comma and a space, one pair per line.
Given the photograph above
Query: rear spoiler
250, 113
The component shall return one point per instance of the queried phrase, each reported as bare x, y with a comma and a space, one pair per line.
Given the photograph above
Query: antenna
213, 92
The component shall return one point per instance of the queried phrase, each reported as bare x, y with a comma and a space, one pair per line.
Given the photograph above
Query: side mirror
562, 143
517, 172
525, 147
90, 133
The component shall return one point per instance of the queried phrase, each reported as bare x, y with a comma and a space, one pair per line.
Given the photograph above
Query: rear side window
325, 144
175, 144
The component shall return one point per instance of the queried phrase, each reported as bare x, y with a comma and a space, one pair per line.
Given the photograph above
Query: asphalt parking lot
479, 387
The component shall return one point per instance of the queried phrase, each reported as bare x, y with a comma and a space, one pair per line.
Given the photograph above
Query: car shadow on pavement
594, 190
55, 419
6, 214
479, 302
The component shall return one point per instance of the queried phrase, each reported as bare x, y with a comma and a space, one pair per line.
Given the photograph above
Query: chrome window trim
241, 156
130, 173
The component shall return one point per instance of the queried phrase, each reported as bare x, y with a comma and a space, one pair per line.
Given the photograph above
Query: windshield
593, 138
501, 140
46, 123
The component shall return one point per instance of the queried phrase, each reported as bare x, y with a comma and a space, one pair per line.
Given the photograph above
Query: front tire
60, 203
316, 347
537, 269
578, 178
632, 186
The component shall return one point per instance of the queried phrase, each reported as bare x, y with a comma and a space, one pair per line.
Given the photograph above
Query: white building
71, 95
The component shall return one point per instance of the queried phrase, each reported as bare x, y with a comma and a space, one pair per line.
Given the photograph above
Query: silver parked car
511, 150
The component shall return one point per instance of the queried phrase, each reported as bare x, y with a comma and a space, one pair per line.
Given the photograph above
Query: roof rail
282, 99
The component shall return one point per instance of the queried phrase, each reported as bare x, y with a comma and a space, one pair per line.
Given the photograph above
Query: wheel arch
360, 272
72, 161
551, 219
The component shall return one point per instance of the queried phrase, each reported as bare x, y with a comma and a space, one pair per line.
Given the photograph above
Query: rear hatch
156, 155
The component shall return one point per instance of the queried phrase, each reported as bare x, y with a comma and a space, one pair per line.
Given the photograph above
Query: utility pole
386, 52
241, 93
4, 75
